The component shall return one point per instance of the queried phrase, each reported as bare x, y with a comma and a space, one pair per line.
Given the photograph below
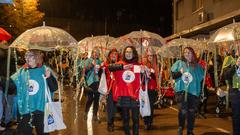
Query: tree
23, 15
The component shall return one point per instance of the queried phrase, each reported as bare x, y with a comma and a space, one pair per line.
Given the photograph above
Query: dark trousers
93, 97
187, 109
152, 94
125, 111
235, 100
110, 109
37, 120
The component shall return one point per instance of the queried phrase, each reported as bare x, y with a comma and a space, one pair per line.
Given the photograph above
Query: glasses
28, 56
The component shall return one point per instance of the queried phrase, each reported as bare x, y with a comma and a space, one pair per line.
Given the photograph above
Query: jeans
37, 120
187, 109
9, 108
235, 100
93, 97
110, 109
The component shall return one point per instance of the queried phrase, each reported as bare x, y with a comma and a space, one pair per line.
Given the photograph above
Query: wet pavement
165, 121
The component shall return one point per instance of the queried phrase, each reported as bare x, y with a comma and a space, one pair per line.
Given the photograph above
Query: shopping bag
145, 109
103, 88
53, 119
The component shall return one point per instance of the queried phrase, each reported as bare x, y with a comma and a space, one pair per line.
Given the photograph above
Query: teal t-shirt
30, 89
196, 76
92, 75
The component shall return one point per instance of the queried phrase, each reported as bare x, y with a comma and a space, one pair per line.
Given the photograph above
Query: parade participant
126, 89
232, 75
152, 87
29, 83
188, 75
111, 106
91, 69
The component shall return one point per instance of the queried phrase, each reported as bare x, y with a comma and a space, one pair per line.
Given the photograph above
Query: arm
52, 83
115, 67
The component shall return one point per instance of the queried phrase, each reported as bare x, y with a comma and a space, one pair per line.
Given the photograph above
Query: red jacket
126, 82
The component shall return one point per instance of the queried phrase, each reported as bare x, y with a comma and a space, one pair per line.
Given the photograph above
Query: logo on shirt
33, 87
187, 78
128, 76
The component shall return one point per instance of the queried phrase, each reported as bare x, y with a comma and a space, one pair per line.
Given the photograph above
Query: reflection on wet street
165, 120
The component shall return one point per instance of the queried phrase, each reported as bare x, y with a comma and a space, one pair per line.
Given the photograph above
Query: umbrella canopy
44, 38
102, 42
144, 41
226, 37
4, 35
173, 49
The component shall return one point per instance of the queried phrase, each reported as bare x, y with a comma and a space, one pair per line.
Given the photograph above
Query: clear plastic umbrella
44, 38
102, 42
173, 49
227, 37
142, 40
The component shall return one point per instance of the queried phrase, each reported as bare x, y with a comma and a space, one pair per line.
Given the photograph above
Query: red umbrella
4, 35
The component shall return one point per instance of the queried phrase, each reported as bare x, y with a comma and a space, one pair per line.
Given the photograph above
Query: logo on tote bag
50, 119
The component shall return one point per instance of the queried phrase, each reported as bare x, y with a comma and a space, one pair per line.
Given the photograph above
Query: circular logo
128, 76
187, 78
33, 87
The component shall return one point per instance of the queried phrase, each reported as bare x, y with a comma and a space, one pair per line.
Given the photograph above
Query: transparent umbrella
102, 42
227, 37
142, 40
173, 49
44, 38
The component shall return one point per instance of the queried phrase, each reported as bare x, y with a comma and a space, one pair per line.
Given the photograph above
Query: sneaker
110, 128
2, 128
180, 131
96, 119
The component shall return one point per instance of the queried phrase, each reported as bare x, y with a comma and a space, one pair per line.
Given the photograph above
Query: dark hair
194, 56
135, 55
110, 52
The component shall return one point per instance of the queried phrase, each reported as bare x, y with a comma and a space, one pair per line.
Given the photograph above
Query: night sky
120, 16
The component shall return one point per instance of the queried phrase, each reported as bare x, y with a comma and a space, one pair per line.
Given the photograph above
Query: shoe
96, 119
190, 133
180, 131
148, 127
110, 128
2, 128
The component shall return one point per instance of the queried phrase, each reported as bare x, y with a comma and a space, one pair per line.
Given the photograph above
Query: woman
91, 70
29, 82
126, 74
232, 75
152, 87
188, 75
111, 106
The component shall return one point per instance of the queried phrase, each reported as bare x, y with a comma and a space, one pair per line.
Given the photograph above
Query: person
126, 74
29, 83
151, 86
232, 75
187, 74
91, 71
112, 58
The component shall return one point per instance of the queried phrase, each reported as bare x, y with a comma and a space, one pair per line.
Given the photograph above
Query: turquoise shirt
31, 94
92, 74
194, 87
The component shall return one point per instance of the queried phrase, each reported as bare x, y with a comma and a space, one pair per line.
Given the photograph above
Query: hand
181, 70
128, 66
47, 73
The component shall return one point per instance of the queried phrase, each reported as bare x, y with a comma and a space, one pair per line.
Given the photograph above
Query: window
196, 4
179, 9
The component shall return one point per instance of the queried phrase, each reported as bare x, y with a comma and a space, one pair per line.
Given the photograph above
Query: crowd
127, 73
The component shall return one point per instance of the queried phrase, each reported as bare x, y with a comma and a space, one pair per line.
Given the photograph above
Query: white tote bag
103, 88
145, 109
53, 119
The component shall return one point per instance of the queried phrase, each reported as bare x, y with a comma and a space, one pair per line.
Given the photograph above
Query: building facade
200, 18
